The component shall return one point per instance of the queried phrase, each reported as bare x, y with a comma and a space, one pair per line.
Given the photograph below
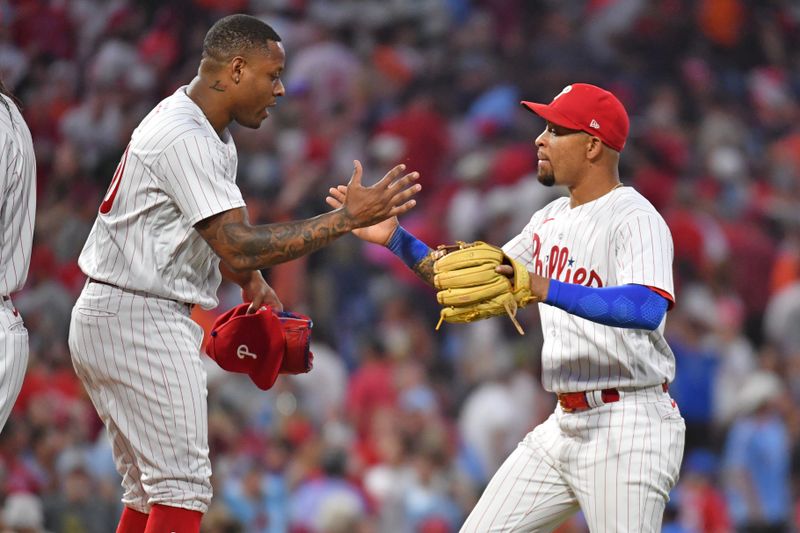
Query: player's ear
594, 148
236, 69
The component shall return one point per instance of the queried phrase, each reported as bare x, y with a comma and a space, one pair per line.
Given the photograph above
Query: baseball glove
469, 287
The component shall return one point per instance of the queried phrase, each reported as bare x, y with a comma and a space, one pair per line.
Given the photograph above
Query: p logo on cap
261, 345
588, 108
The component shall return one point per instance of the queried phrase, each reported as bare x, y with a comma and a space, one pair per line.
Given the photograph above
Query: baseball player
17, 209
171, 225
600, 264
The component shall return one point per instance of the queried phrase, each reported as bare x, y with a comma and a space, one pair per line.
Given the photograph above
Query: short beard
548, 180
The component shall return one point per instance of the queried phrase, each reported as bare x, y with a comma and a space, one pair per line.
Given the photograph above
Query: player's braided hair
237, 34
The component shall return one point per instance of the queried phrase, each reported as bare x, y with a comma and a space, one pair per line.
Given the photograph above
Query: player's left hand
474, 283
379, 233
258, 292
392, 195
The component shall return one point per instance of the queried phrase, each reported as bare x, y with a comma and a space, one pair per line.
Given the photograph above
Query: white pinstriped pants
138, 357
13, 357
616, 462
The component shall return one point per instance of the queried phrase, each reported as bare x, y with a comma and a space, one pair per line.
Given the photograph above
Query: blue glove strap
407, 247
627, 306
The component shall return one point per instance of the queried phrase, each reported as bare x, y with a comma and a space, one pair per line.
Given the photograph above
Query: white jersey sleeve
644, 251
189, 172
17, 197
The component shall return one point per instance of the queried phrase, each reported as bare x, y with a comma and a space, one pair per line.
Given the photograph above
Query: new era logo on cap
585, 107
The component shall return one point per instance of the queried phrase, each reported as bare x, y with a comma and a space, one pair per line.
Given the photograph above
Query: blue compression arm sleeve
627, 306
407, 247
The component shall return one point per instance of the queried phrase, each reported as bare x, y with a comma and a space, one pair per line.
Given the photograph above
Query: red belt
578, 401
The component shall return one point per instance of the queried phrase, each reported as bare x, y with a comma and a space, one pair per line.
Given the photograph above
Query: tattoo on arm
218, 86
424, 269
246, 247
239, 278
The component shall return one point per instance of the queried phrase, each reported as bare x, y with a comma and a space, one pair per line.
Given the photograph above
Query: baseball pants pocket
95, 313
668, 409
99, 301
13, 359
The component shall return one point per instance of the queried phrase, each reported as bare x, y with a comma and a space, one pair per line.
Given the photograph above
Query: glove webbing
511, 308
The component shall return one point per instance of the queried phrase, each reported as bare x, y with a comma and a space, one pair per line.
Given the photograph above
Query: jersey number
108, 201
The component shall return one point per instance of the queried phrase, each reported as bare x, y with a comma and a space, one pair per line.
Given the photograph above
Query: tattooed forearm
218, 86
239, 278
246, 247
424, 269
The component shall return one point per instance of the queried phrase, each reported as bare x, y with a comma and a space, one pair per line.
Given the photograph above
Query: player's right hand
391, 196
379, 233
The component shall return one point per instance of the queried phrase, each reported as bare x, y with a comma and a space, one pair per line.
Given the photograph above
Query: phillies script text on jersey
559, 265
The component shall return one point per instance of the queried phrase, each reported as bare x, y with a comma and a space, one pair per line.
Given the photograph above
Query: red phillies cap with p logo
588, 108
261, 345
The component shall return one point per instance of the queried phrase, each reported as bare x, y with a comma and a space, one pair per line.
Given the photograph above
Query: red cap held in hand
588, 108
261, 345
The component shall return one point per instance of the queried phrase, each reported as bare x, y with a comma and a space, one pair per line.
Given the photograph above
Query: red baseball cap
588, 108
261, 345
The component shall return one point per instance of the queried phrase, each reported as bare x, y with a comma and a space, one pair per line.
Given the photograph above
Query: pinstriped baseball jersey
614, 240
17, 197
175, 172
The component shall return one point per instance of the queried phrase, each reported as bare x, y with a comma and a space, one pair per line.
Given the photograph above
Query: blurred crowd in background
398, 427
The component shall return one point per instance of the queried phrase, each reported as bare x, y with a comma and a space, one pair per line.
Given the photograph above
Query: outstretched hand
379, 233
391, 196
